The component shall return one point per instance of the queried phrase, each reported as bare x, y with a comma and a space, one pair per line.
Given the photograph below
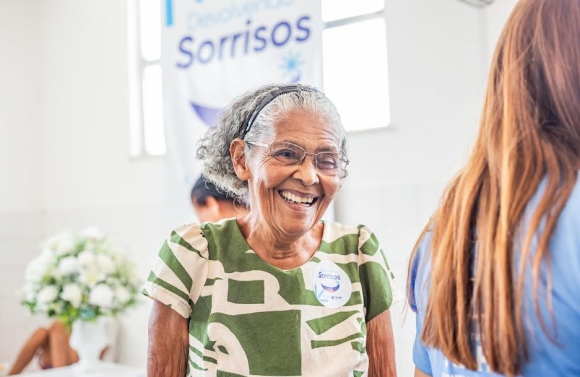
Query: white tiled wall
20, 234
21, 219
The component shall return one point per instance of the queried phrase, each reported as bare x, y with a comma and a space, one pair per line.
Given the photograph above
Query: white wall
496, 15
19, 100
64, 77
437, 69
65, 163
85, 110
88, 177
21, 217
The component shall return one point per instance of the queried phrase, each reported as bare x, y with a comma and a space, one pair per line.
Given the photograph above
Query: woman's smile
294, 197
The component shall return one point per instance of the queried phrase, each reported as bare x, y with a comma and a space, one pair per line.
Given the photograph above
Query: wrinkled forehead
307, 126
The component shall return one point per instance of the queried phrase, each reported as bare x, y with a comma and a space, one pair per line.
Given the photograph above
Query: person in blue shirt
495, 276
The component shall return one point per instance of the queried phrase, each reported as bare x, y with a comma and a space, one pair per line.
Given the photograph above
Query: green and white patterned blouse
249, 318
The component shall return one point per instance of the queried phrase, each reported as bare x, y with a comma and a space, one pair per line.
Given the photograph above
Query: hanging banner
215, 50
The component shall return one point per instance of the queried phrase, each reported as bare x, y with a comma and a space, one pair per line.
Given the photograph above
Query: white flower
54, 273
30, 292
90, 245
68, 266
92, 233
72, 293
90, 276
61, 244
52, 242
47, 295
38, 267
75, 268
122, 294
87, 258
27, 292
106, 264
102, 295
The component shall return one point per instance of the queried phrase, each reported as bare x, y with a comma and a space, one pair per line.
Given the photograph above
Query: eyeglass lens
290, 154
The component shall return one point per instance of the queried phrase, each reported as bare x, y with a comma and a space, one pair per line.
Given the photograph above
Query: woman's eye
286, 154
326, 161
327, 165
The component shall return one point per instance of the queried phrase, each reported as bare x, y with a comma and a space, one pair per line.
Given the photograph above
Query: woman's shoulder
200, 234
571, 210
195, 230
566, 237
358, 239
225, 228
187, 231
189, 236
569, 218
333, 229
355, 236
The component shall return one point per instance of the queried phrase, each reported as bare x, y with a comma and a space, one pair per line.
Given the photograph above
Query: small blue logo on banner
291, 66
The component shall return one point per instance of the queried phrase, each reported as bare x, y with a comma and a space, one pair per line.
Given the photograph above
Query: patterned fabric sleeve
378, 281
180, 270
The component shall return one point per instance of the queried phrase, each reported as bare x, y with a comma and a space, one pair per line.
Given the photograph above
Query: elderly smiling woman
277, 292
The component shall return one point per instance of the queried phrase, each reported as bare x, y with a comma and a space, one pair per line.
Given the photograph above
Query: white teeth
295, 198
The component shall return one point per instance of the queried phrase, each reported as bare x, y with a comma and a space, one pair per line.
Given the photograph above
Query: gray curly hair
214, 147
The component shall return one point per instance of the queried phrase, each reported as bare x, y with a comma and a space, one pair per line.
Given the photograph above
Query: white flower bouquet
80, 277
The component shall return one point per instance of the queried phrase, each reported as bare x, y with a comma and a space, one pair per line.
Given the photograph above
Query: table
104, 369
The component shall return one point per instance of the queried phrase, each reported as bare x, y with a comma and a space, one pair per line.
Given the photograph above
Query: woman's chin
298, 228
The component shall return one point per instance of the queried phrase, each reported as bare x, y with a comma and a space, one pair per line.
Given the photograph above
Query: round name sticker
332, 286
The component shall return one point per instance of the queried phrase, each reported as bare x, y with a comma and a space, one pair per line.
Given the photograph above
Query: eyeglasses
328, 163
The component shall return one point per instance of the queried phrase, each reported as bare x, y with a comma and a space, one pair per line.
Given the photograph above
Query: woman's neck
278, 249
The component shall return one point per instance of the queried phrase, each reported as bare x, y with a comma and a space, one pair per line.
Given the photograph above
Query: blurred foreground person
495, 277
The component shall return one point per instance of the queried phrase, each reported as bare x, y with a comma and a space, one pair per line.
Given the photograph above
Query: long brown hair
529, 131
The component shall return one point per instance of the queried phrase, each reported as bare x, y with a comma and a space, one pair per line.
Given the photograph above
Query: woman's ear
237, 153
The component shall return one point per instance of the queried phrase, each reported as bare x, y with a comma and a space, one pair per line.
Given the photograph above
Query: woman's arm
37, 341
168, 342
380, 346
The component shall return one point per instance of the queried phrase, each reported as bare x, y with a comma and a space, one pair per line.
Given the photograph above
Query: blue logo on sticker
331, 285
330, 289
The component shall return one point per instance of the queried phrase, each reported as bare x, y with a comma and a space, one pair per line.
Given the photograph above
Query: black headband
268, 98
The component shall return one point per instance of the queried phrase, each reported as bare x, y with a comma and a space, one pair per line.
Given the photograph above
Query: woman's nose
307, 172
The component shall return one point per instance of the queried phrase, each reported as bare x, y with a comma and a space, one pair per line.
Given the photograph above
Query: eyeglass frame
341, 172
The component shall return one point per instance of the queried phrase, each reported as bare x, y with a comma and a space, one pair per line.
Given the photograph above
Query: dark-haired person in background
211, 204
